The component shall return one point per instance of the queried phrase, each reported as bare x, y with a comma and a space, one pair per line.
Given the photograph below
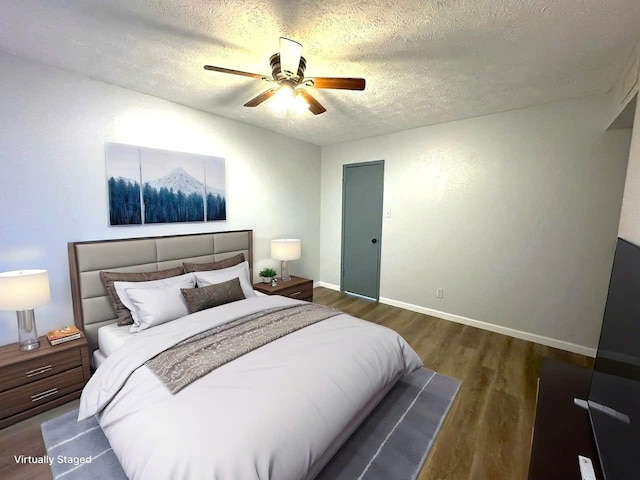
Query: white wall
515, 215
53, 179
630, 216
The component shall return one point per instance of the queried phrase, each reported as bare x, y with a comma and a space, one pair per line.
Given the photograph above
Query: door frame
379, 259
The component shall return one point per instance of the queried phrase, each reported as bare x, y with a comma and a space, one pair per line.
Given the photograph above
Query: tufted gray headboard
92, 308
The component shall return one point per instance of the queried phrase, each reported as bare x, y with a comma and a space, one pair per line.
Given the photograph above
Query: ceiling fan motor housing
278, 74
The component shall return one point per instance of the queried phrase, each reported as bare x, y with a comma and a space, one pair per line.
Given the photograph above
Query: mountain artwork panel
149, 186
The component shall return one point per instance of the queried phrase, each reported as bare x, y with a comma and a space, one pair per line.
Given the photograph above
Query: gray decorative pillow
213, 295
124, 316
202, 267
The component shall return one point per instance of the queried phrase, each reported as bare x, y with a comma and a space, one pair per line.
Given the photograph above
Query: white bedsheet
279, 412
111, 337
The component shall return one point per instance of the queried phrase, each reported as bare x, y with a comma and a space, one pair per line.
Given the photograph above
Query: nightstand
298, 288
38, 380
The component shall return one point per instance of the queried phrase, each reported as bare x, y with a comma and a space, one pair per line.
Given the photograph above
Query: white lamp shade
285, 249
24, 289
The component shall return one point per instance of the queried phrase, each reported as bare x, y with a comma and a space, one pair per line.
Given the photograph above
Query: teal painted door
362, 195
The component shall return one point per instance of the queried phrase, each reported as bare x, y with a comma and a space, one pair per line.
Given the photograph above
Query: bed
278, 411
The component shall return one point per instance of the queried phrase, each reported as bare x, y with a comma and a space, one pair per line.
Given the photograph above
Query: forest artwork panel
149, 186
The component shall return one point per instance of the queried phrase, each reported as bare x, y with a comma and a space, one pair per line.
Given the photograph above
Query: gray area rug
392, 443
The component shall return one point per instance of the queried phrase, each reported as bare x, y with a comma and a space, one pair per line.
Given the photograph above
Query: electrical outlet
439, 292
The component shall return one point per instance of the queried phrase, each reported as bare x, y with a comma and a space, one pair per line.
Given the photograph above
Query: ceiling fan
287, 72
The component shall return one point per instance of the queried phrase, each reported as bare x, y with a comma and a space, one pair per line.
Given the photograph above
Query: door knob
374, 240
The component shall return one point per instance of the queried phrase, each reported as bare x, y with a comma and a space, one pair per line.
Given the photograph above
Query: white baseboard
330, 286
511, 332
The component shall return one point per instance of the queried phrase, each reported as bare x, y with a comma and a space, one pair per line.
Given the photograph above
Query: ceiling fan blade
314, 106
339, 83
234, 72
266, 95
290, 53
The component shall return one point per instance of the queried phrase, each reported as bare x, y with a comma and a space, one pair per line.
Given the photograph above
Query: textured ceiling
425, 62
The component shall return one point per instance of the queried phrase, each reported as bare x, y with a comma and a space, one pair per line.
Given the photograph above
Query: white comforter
279, 412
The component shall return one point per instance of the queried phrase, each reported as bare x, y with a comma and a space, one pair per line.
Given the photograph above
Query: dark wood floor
24, 438
487, 433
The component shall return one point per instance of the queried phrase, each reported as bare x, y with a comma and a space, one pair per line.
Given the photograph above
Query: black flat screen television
614, 397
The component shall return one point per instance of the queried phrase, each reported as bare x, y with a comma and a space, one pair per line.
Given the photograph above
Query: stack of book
65, 334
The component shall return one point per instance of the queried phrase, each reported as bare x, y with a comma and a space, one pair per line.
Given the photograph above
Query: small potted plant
268, 274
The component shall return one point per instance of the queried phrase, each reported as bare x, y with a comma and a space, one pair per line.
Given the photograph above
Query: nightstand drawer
299, 292
37, 368
36, 393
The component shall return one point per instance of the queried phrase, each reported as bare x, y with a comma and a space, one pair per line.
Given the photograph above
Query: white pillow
213, 277
167, 296
155, 306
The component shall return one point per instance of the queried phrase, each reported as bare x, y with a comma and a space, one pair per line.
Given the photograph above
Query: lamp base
286, 276
27, 334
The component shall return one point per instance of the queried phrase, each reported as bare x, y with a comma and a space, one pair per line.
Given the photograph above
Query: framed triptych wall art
158, 186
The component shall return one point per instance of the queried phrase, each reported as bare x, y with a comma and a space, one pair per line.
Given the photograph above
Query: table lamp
23, 290
285, 249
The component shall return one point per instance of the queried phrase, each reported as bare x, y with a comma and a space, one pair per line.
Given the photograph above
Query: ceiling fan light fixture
282, 100
286, 98
299, 103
